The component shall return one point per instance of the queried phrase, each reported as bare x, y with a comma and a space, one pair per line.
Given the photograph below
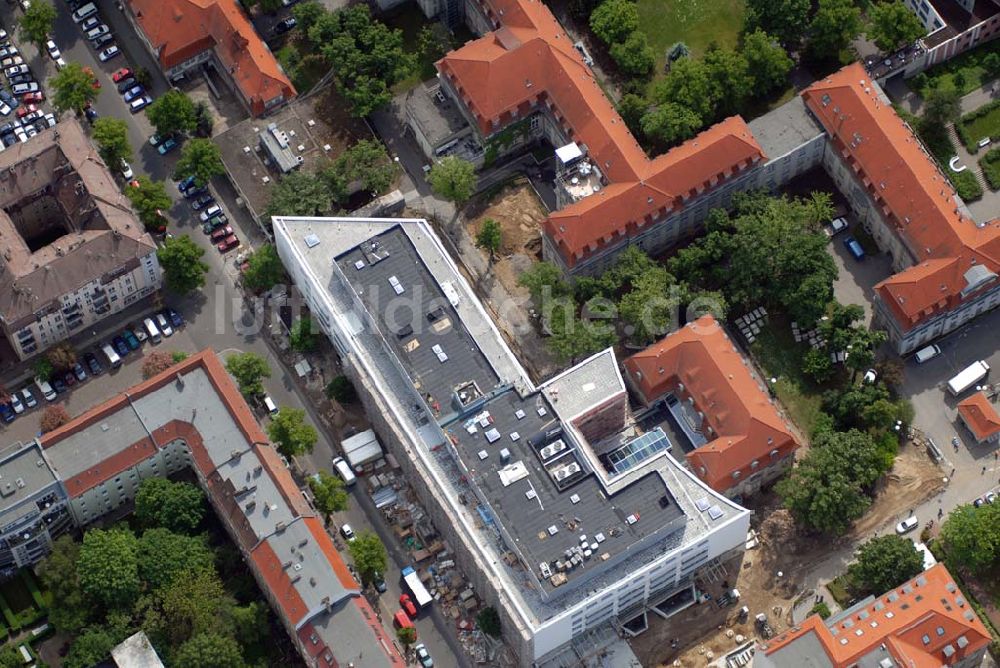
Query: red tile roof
929, 607
916, 199
529, 60
980, 416
181, 29
745, 423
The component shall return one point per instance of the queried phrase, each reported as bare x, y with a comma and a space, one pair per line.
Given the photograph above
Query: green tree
250, 623
171, 113
165, 556
149, 198
668, 124
632, 108
203, 119
58, 573
201, 159
111, 136
10, 657
572, 337
43, 368
210, 650
648, 308
488, 621
369, 555
634, 56
264, 269
825, 492
177, 506
942, 105
971, 537
249, 370
490, 237
785, 19
183, 270
299, 194
885, 562
817, 365
834, 26
73, 88
767, 62
341, 390
544, 280
291, 433
108, 567
188, 606
454, 179
614, 20
689, 84
329, 495
892, 25
407, 635
91, 648
368, 162
306, 14
730, 73
36, 23
304, 335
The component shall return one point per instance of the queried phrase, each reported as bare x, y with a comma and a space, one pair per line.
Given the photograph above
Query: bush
991, 167
966, 185
821, 609
341, 390
53, 417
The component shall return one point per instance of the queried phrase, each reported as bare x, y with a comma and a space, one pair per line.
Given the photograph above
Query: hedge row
991, 167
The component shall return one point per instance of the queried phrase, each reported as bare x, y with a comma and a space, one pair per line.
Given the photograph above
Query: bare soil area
913, 479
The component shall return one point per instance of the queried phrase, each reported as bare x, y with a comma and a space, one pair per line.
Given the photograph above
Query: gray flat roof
532, 506
782, 130
584, 386
439, 119
136, 652
23, 473
806, 651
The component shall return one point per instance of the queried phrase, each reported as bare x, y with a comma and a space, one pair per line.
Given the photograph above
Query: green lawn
780, 356
966, 71
984, 122
697, 23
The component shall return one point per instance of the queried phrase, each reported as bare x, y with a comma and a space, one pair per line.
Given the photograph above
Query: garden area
979, 124
965, 73
22, 602
697, 23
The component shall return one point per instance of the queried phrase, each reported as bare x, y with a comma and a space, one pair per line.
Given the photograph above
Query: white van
113, 359
928, 353
151, 330
45, 389
269, 405
344, 469
85, 12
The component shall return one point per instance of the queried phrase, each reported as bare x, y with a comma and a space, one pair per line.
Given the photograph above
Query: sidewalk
914, 103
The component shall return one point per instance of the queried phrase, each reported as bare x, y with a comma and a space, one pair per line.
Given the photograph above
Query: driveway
856, 280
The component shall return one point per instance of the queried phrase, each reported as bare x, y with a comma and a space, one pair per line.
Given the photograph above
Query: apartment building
924, 622
565, 514
192, 416
736, 439
946, 262
73, 251
184, 36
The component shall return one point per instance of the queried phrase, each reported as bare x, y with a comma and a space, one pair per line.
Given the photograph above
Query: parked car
90, 23
4, 109
907, 525
108, 53
94, 33
10, 61
120, 346
130, 340
283, 26
79, 372
228, 244
194, 191
15, 70
58, 385
174, 317
7, 97
164, 326
24, 111
408, 605
139, 332
34, 98
202, 202
140, 103
133, 92
69, 378
167, 146
183, 185
16, 403
213, 223
423, 656
7, 413
126, 169
9, 50
96, 369
221, 233
104, 40
210, 212
54, 52
121, 74
854, 248
25, 88
126, 84
29, 398
347, 532
91, 114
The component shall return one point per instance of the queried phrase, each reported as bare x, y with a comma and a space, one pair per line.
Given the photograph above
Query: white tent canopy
361, 449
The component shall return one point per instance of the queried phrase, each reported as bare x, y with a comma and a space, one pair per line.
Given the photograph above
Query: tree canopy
264, 269
291, 433
249, 369
210, 650
35, 25
767, 63
58, 573
108, 567
454, 179
299, 194
73, 88
165, 556
785, 19
178, 506
183, 269
614, 20
971, 537
201, 159
834, 25
150, 200
171, 113
893, 25
669, 123
885, 562
304, 335
633, 55
111, 136
490, 237
369, 555
91, 648
329, 495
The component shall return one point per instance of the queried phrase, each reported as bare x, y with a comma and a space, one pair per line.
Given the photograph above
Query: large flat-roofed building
72, 251
564, 514
924, 622
740, 442
192, 416
947, 263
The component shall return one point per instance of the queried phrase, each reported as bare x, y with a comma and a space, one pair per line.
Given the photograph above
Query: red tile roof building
183, 34
925, 623
980, 417
748, 442
528, 64
192, 415
947, 263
